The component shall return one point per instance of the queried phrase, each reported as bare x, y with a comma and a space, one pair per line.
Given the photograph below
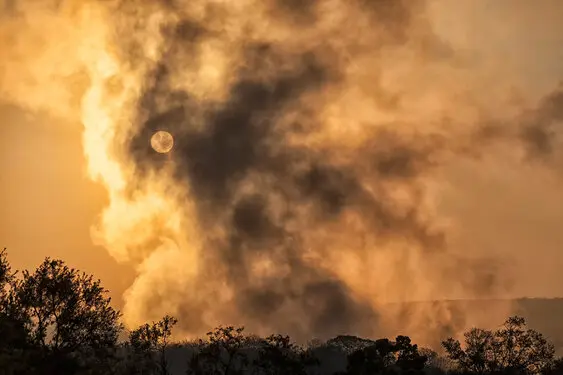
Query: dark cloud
250, 219
305, 303
542, 127
331, 188
241, 138
222, 147
537, 129
538, 139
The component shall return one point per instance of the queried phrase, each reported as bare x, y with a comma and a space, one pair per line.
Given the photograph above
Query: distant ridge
542, 314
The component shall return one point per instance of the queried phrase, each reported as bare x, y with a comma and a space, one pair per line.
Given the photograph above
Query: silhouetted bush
148, 345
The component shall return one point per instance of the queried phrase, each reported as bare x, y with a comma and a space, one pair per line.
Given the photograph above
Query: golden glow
78, 65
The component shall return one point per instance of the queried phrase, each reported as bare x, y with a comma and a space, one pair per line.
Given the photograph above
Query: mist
330, 158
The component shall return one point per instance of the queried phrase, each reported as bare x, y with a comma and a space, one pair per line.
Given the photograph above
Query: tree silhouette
280, 356
68, 317
14, 343
409, 359
222, 354
385, 356
511, 349
151, 339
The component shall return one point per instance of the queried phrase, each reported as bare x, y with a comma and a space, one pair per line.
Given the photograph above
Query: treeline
57, 320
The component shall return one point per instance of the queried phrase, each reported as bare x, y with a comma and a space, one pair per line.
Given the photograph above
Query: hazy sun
162, 142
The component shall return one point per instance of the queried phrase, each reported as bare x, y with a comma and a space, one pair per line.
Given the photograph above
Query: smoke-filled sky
329, 157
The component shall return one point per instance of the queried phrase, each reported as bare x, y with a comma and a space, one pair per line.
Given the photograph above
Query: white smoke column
132, 217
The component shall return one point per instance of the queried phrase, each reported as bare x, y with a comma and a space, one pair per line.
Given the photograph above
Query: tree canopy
513, 349
56, 318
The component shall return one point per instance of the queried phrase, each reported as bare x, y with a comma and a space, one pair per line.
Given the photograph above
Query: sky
48, 204
500, 212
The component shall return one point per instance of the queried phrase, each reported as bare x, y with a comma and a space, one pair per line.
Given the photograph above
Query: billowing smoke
301, 194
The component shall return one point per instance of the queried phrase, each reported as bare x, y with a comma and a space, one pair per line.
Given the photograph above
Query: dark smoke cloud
314, 142
221, 147
240, 137
536, 130
541, 131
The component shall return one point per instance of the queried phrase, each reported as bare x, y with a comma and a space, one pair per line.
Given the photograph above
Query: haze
492, 203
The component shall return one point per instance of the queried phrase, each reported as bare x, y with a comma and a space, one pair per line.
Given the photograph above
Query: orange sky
48, 204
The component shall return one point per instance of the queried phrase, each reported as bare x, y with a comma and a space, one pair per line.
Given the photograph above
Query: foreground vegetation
58, 320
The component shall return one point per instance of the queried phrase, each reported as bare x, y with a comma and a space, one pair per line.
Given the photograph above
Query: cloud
311, 140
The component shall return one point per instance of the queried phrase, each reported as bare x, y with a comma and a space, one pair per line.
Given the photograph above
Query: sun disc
162, 142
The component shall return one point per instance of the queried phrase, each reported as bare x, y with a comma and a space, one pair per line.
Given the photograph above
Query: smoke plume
310, 138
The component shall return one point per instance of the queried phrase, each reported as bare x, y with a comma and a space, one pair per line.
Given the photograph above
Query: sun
162, 142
